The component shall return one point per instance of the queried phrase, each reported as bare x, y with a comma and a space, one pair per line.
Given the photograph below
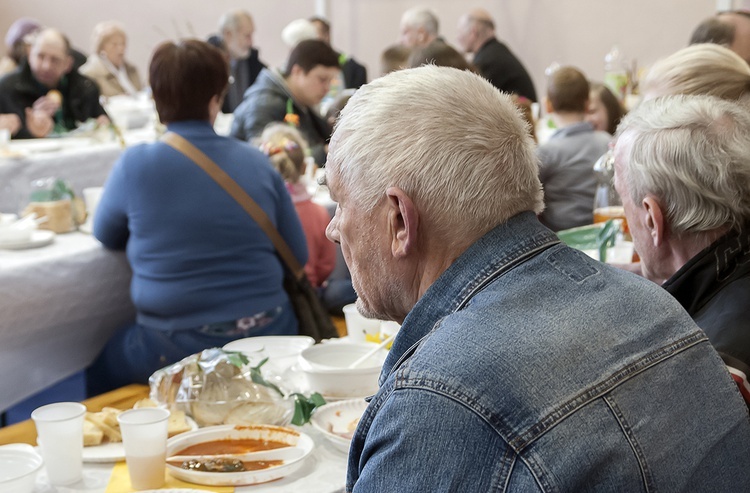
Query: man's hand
38, 122
10, 121
47, 105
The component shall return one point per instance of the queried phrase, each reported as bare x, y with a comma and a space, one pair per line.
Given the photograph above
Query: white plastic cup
59, 427
358, 328
91, 197
144, 436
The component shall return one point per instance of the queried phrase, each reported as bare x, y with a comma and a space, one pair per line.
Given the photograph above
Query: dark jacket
252, 64
497, 64
80, 97
355, 75
266, 102
714, 288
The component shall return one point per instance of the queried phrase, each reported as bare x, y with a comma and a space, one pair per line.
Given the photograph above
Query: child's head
604, 111
286, 148
567, 91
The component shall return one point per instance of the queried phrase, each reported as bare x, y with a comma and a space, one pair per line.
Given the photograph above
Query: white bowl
19, 465
226, 432
325, 369
337, 421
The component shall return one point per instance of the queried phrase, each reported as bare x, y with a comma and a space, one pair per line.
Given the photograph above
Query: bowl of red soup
233, 455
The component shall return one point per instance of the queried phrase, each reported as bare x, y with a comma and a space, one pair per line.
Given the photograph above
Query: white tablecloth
324, 471
83, 162
59, 304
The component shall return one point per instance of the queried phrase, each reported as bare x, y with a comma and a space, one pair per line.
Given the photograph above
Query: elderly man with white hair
236, 30
419, 28
682, 168
521, 364
493, 59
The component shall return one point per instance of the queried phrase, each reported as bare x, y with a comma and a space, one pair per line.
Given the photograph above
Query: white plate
114, 451
271, 346
263, 432
108, 452
281, 351
38, 145
338, 417
39, 238
174, 490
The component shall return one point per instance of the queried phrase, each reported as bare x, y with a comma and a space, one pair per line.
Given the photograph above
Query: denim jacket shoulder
508, 363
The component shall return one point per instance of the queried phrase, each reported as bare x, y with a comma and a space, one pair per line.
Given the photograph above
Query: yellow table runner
119, 482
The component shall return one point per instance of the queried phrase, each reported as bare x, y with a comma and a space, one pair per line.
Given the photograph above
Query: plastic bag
221, 387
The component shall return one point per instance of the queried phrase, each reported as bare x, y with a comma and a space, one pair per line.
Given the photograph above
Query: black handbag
313, 318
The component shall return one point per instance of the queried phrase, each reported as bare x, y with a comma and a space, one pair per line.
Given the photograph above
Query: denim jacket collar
472, 270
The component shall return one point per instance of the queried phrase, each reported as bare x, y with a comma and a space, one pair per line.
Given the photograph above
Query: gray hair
231, 20
691, 153
103, 31
421, 17
700, 69
451, 141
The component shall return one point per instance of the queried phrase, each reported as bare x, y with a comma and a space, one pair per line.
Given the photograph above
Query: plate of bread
102, 440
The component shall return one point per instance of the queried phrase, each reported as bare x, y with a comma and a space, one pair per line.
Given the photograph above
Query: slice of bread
177, 423
92, 435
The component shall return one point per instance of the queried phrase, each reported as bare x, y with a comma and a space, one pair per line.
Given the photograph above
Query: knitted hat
19, 29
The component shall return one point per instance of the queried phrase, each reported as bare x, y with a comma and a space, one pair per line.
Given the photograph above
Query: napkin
119, 482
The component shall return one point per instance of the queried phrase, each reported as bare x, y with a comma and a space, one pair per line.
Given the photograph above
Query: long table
323, 472
82, 162
59, 304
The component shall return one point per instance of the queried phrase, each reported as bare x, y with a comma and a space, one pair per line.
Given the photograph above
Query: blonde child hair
286, 148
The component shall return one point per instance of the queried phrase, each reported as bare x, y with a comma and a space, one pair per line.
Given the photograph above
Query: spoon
286, 454
371, 352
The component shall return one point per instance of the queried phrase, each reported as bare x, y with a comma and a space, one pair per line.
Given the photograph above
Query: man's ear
654, 220
548, 108
403, 222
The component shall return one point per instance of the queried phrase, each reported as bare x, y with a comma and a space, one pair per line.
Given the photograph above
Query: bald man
495, 62
46, 94
740, 22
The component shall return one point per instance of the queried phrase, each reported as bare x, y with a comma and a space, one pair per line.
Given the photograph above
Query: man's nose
332, 232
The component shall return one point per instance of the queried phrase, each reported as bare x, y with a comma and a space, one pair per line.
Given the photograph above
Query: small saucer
38, 239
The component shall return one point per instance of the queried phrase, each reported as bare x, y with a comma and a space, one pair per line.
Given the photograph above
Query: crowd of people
546, 370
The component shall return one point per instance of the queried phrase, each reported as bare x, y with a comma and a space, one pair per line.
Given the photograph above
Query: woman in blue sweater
204, 273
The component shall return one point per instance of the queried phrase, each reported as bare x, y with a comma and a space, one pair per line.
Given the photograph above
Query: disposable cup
358, 327
59, 428
91, 198
144, 436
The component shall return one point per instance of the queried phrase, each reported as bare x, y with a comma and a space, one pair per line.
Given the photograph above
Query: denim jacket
528, 366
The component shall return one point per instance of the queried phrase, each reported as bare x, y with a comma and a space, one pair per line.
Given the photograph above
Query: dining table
323, 470
82, 161
60, 303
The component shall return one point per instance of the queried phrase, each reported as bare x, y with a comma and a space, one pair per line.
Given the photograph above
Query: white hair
230, 21
298, 30
693, 154
452, 142
699, 69
421, 17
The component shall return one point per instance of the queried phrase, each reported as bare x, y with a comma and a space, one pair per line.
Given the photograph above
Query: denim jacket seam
540, 242
648, 480
608, 384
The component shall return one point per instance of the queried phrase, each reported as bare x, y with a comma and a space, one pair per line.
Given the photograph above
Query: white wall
575, 32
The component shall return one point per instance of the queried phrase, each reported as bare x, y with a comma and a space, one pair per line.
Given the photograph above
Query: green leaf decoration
257, 377
238, 359
304, 407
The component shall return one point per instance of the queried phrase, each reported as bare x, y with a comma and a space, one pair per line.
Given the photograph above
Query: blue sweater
197, 257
